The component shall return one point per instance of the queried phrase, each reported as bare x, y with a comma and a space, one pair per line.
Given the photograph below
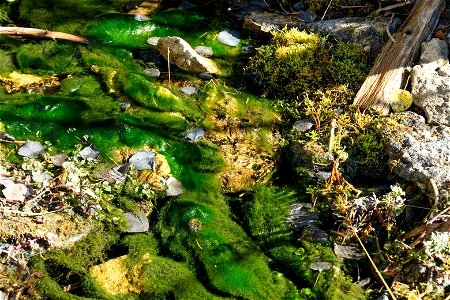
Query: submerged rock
174, 187
31, 149
188, 90
194, 134
152, 72
301, 215
58, 159
179, 52
303, 125
204, 51
430, 82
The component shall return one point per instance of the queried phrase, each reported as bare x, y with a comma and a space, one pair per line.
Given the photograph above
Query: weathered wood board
388, 72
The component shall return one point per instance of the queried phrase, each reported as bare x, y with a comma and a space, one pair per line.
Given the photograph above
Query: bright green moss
6, 62
202, 234
48, 58
296, 63
144, 118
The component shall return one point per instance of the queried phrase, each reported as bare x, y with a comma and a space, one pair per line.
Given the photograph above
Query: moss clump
48, 58
296, 63
6, 62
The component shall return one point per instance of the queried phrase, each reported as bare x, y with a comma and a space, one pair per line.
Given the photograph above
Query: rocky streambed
211, 150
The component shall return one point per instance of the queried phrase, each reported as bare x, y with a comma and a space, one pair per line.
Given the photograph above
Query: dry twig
43, 33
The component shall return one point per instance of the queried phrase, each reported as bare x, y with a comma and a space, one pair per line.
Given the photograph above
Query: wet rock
430, 82
420, 154
3, 296
183, 56
301, 215
41, 177
310, 157
320, 266
361, 31
348, 252
31, 149
58, 159
143, 160
204, 51
152, 72
174, 187
229, 37
322, 175
188, 90
314, 234
194, 134
89, 153
303, 125
137, 222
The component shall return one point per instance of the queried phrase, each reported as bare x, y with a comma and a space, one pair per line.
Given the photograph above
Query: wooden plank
388, 72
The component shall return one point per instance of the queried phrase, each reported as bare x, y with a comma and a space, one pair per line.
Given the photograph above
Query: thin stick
43, 33
374, 266
387, 28
393, 6
326, 10
168, 61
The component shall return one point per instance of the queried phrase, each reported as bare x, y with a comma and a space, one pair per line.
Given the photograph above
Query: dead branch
397, 54
23, 31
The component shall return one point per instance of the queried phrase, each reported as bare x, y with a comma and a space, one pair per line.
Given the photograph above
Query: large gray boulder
430, 82
177, 51
420, 153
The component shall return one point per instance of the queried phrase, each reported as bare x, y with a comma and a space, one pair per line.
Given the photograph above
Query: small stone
320, 266
306, 16
31, 149
434, 52
303, 125
301, 215
298, 6
124, 105
400, 100
41, 177
174, 187
152, 72
188, 90
15, 191
153, 41
143, 160
194, 134
322, 175
248, 50
205, 76
58, 159
6, 137
89, 153
137, 222
141, 18
3, 296
229, 37
204, 51
348, 252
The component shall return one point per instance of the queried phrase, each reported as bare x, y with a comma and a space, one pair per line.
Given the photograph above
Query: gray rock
204, 51
188, 90
6, 137
89, 153
143, 160
58, 159
205, 76
137, 222
14, 191
229, 37
183, 56
298, 6
303, 125
41, 177
320, 266
31, 149
3, 296
248, 50
174, 187
322, 175
430, 82
152, 72
361, 31
194, 134
420, 154
308, 158
348, 252
301, 215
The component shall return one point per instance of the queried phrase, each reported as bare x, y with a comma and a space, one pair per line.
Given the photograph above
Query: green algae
48, 58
